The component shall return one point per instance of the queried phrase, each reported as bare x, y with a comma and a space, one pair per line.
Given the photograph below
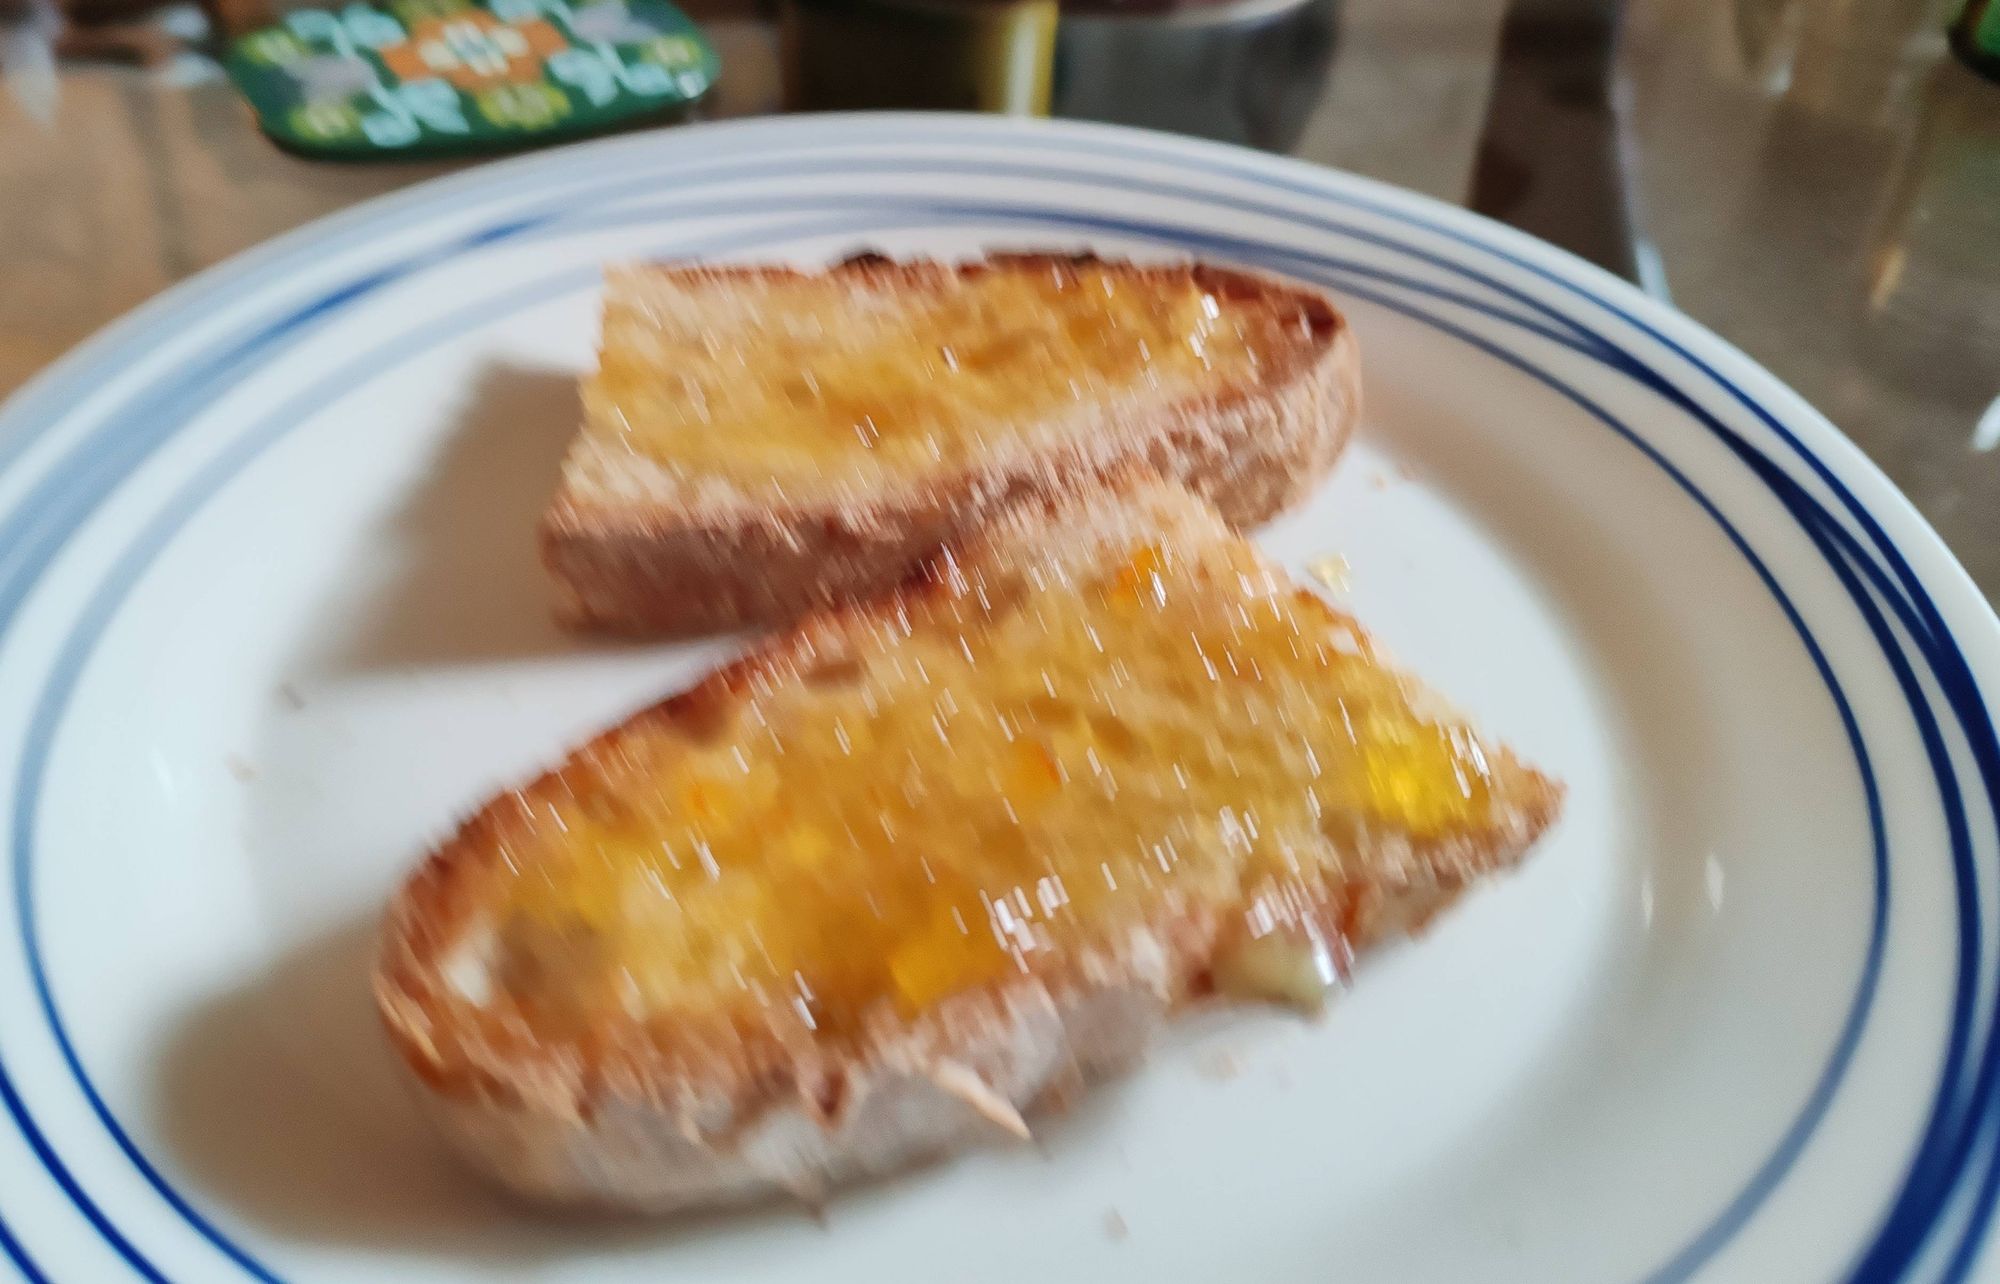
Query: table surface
1816, 180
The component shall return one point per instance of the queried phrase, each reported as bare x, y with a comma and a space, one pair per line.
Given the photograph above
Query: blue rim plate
269, 619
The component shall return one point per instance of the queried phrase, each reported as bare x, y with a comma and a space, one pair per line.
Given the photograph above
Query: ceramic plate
270, 620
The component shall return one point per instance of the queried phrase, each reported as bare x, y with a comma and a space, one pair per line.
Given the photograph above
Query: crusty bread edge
689, 567
621, 1132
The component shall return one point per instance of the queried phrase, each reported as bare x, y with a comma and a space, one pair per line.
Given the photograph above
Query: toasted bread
758, 442
874, 891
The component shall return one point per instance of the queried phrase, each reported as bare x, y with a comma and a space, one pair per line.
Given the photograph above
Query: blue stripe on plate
1509, 318
19, 1256
521, 225
152, 539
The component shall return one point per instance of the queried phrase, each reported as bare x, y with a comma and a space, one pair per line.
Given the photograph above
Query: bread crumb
1218, 1065
1114, 1225
1330, 569
240, 768
290, 697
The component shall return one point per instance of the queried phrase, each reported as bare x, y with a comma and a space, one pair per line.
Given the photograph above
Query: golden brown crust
565, 1121
681, 565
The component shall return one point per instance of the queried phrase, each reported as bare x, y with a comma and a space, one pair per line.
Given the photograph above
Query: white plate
272, 620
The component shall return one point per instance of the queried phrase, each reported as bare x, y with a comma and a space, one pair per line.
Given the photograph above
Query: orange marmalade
824, 386
1013, 773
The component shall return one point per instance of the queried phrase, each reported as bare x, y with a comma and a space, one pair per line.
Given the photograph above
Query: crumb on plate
1330, 569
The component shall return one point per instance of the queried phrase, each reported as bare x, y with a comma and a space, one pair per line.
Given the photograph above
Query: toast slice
759, 441
870, 893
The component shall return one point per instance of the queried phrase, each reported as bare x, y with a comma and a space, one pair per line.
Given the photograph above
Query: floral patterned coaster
427, 77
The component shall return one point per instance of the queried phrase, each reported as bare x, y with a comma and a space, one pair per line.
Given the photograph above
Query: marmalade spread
861, 391
1013, 773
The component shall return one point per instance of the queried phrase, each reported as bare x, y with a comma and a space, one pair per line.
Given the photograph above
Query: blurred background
1816, 180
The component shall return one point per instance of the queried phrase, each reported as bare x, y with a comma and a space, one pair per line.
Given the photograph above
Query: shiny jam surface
861, 392
1027, 769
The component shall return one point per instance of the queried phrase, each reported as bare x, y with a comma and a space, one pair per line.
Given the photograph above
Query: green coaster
426, 77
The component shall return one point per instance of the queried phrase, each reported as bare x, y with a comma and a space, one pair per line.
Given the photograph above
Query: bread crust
633, 1117
683, 564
